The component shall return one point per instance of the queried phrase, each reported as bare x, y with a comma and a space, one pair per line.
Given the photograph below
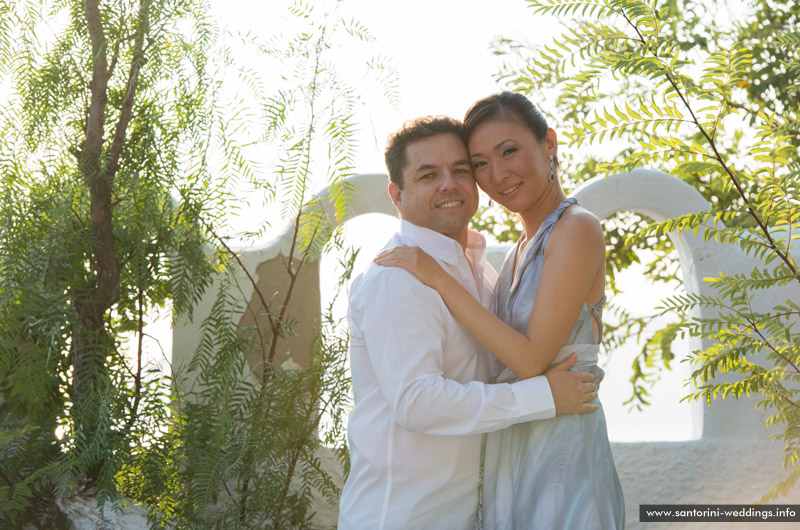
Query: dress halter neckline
538, 239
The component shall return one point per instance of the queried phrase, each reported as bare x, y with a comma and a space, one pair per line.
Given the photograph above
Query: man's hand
572, 391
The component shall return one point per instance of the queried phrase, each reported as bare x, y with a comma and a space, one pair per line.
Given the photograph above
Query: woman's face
511, 166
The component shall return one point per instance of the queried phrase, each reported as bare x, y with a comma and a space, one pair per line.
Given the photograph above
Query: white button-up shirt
421, 394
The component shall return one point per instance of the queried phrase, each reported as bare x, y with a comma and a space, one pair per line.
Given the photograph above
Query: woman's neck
533, 217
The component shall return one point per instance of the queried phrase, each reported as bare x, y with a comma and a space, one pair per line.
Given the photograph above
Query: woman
558, 473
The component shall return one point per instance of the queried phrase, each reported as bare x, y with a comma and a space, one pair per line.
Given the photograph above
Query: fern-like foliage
676, 121
253, 425
94, 235
243, 451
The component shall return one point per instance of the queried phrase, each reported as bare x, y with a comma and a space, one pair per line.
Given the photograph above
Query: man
422, 397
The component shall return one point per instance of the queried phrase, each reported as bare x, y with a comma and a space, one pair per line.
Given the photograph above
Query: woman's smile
511, 190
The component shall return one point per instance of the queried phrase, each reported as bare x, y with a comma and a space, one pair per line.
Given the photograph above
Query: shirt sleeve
402, 325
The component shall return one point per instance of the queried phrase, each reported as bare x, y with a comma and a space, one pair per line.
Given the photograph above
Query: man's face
439, 191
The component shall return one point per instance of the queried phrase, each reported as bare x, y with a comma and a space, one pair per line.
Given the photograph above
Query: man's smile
450, 204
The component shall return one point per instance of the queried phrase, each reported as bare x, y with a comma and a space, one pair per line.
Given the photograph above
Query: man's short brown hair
413, 131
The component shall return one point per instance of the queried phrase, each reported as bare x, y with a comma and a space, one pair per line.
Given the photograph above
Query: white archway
732, 462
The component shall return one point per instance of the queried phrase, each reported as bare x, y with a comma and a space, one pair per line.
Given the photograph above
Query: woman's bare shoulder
579, 222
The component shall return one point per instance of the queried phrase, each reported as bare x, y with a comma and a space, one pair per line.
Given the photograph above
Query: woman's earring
552, 168
491, 202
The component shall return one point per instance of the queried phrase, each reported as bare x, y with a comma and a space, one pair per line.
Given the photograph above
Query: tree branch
117, 43
93, 144
137, 379
92, 165
126, 112
293, 274
771, 243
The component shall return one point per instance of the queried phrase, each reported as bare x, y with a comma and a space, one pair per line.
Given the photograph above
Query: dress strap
537, 243
596, 311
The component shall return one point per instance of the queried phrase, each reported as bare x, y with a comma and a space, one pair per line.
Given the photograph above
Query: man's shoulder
375, 274
379, 277
392, 288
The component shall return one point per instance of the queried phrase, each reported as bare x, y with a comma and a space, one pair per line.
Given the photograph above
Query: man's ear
396, 194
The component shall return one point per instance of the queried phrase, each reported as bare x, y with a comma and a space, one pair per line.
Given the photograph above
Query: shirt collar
442, 247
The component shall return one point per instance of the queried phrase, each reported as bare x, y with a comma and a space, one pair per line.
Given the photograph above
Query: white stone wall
733, 461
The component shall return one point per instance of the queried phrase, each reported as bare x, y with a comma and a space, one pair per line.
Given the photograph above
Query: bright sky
441, 49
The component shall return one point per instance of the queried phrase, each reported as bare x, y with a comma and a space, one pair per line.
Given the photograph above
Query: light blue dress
555, 474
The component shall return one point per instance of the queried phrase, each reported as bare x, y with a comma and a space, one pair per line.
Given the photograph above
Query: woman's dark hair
505, 105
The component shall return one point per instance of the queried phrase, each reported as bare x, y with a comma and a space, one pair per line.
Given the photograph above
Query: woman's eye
508, 151
476, 165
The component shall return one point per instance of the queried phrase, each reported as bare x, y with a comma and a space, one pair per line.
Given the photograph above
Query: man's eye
426, 176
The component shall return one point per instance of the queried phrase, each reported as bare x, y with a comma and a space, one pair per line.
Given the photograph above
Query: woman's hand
415, 261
